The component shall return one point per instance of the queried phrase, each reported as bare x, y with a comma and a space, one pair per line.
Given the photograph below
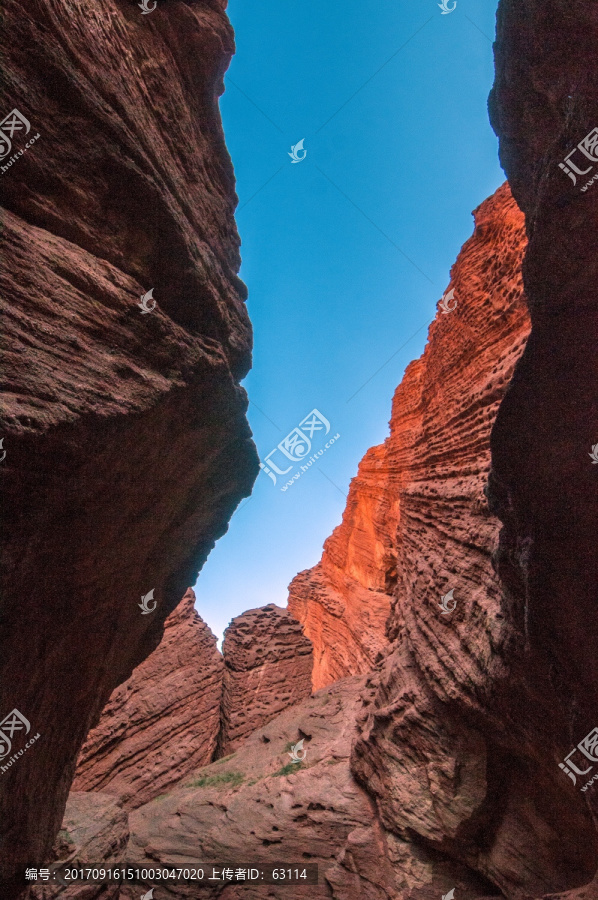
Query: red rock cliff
127, 447
464, 727
416, 510
164, 721
344, 601
268, 663
543, 486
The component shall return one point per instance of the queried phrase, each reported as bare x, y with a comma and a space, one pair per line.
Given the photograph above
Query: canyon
437, 665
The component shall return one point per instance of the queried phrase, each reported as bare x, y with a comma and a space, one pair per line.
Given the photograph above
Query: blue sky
346, 253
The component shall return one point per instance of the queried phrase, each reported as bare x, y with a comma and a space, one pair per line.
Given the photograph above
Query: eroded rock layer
268, 663
127, 447
163, 721
258, 806
461, 739
543, 486
418, 500
344, 601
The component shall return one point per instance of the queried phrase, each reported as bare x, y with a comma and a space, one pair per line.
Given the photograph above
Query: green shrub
288, 769
232, 778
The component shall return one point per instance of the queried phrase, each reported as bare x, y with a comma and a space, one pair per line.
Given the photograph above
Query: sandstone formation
543, 485
344, 601
127, 447
94, 832
258, 807
416, 511
462, 736
161, 723
268, 662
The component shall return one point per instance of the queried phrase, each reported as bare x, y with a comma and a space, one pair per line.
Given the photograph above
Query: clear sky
347, 252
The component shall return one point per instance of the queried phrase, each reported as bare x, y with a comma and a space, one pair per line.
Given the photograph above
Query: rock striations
344, 601
463, 731
164, 721
127, 447
186, 701
417, 523
268, 666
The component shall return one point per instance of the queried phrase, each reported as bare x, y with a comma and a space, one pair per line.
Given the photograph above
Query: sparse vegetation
224, 759
65, 836
224, 778
289, 769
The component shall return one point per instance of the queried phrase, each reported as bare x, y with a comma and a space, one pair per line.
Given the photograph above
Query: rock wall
463, 730
543, 486
344, 601
163, 722
416, 510
257, 806
127, 447
268, 666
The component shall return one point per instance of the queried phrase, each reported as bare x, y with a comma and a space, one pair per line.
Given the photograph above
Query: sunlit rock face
267, 667
465, 726
423, 487
125, 432
163, 721
344, 601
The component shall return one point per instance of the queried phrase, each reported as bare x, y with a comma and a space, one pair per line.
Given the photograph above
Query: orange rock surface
417, 504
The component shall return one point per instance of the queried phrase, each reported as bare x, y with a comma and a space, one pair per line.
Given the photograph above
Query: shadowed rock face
268, 662
543, 484
163, 721
126, 438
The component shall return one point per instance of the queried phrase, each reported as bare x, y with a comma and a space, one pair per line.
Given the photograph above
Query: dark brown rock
543, 484
125, 433
94, 833
161, 723
268, 662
